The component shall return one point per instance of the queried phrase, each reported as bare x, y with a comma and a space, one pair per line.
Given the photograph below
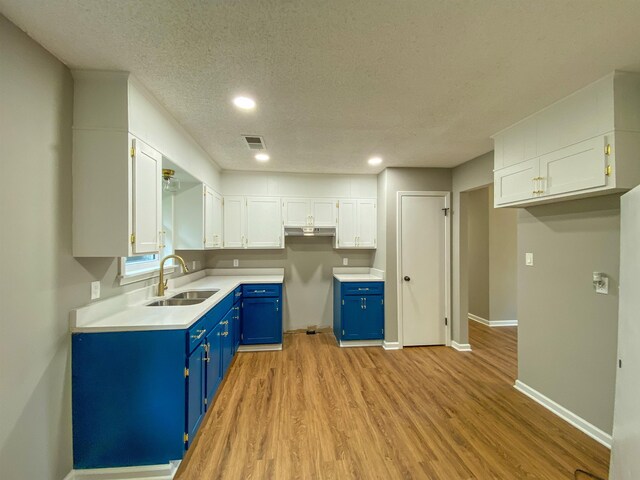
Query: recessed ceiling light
262, 157
244, 103
375, 161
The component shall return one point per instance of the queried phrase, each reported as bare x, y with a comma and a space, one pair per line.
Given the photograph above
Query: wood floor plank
316, 411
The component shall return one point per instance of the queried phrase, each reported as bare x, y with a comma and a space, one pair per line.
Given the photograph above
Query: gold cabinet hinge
133, 152
607, 149
607, 171
185, 437
186, 372
133, 238
343, 302
337, 204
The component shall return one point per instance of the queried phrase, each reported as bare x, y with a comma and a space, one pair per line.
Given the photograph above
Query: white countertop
358, 274
138, 316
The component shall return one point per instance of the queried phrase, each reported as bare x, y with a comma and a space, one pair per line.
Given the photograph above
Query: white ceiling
420, 83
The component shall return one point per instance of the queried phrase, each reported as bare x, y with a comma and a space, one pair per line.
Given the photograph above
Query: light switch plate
345, 261
236, 262
528, 259
95, 290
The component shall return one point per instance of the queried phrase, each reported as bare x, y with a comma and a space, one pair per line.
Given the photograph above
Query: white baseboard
360, 343
147, 472
493, 323
267, 347
391, 345
567, 415
461, 347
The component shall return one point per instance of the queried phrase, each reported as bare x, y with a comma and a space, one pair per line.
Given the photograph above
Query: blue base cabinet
261, 314
358, 310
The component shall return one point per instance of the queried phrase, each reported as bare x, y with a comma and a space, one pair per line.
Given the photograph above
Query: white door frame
447, 259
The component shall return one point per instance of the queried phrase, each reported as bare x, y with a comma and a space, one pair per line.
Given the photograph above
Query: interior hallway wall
308, 275
567, 334
478, 251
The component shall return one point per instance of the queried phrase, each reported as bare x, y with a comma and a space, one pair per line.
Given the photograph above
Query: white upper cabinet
146, 197
234, 222
198, 218
305, 212
357, 224
264, 223
583, 145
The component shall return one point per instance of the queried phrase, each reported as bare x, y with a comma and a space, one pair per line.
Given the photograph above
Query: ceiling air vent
255, 142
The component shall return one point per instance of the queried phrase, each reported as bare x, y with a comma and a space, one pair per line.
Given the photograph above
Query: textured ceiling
420, 83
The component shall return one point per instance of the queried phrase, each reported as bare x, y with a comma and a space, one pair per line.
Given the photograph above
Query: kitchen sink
195, 294
172, 302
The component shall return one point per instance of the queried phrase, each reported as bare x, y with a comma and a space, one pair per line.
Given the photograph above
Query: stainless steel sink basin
172, 302
196, 294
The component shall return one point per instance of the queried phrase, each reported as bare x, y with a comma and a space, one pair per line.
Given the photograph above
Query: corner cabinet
358, 311
586, 144
253, 222
357, 224
197, 218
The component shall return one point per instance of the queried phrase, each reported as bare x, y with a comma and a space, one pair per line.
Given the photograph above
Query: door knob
407, 278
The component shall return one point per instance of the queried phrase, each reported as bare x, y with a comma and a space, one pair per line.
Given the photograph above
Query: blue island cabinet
358, 312
139, 397
261, 314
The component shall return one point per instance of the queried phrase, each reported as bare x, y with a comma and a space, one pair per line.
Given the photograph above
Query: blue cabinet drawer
362, 288
272, 290
196, 334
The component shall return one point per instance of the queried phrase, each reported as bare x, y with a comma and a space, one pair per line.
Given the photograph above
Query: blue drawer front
362, 288
199, 330
271, 290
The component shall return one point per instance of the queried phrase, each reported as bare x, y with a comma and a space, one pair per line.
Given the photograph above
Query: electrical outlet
345, 261
528, 259
236, 262
194, 265
95, 290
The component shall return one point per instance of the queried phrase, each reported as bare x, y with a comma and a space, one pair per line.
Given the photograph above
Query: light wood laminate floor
318, 411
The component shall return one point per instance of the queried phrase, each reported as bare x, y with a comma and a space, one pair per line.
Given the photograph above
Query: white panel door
209, 220
366, 235
423, 237
216, 219
146, 198
324, 212
517, 182
264, 222
347, 227
234, 222
296, 212
574, 168
625, 461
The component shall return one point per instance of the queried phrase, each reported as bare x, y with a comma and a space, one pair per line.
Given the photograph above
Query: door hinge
186, 372
446, 211
382, 330
242, 336
343, 332
382, 301
607, 149
343, 301
133, 238
185, 437
446, 321
607, 171
337, 204
133, 152
205, 401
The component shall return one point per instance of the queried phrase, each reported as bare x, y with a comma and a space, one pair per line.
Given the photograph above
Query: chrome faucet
162, 285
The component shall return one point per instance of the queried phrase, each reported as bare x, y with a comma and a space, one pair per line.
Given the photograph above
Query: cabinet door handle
198, 337
365, 303
365, 289
259, 291
361, 303
226, 322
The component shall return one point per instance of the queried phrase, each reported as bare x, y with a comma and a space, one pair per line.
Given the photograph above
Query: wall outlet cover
236, 262
345, 261
528, 259
603, 288
95, 290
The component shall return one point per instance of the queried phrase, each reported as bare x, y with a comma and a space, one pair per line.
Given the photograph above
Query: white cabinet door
146, 198
577, 167
264, 222
323, 212
347, 226
517, 182
366, 214
216, 229
296, 212
209, 219
234, 222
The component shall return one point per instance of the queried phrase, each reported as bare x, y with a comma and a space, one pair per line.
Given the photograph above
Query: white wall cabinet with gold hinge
253, 222
197, 218
357, 224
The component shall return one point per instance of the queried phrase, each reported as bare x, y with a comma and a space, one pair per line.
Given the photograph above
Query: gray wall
403, 179
567, 334
308, 270
503, 264
41, 281
474, 174
478, 251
